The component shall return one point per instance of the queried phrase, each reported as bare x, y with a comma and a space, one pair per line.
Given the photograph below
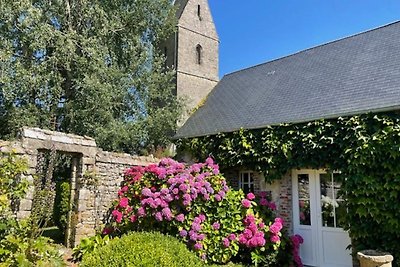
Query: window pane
246, 182
340, 210
251, 188
246, 188
328, 202
304, 199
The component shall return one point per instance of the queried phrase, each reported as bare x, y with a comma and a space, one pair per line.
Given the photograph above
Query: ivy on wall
365, 148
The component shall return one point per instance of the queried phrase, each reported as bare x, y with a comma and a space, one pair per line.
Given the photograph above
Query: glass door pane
304, 199
340, 210
332, 204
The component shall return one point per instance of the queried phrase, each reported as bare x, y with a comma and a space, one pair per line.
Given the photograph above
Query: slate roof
354, 75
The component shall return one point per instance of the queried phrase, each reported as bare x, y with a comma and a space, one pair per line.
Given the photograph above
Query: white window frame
249, 182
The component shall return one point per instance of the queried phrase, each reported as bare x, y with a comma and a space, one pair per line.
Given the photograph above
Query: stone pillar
69, 242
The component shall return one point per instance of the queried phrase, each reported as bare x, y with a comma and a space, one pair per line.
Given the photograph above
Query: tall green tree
90, 67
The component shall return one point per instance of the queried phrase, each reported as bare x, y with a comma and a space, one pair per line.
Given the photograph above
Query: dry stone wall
95, 177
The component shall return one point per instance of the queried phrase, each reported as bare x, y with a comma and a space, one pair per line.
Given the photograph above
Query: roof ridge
317, 46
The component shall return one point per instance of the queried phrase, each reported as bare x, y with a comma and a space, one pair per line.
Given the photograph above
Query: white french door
317, 212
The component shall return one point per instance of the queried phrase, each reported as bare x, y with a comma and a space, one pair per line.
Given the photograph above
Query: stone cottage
354, 75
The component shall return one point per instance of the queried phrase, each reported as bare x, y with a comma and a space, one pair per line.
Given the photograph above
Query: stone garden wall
95, 177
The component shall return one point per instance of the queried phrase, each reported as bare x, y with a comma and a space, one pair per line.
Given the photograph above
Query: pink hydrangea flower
198, 246
193, 235
261, 241
250, 196
180, 217
202, 217
210, 161
264, 202
296, 240
164, 191
232, 237
158, 216
117, 216
183, 233
166, 212
252, 227
226, 242
133, 218
147, 192
249, 219
279, 220
275, 239
276, 227
216, 226
253, 242
242, 239
183, 188
246, 203
107, 231
272, 206
248, 233
141, 212
196, 227
222, 193
123, 190
123, 202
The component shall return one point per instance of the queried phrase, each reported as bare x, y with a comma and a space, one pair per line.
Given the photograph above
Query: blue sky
256, 31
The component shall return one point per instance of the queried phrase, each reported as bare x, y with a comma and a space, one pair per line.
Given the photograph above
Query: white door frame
307, 231
313, 250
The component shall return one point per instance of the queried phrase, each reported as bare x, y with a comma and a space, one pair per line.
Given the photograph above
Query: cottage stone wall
95, 178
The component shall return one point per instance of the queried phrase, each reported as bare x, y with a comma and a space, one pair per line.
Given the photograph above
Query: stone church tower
193, 51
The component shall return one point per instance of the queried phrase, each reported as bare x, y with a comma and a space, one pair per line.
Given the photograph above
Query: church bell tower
193, 52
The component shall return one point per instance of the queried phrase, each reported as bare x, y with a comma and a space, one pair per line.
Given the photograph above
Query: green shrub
89, 245
142, 249
62, 205
20, 242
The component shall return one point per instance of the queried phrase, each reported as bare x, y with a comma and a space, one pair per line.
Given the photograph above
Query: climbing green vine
365, 148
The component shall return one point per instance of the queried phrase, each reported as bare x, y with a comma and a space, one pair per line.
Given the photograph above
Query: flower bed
195, 204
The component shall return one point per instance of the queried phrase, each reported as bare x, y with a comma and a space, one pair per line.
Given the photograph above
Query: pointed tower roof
181, 4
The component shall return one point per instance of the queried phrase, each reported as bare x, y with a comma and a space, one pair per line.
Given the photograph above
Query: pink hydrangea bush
194, 203
296, 241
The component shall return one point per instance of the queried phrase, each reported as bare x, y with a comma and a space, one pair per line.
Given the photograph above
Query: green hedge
142, 249
62, 205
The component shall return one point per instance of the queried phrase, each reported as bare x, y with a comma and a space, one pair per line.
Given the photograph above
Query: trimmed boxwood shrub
142, 249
